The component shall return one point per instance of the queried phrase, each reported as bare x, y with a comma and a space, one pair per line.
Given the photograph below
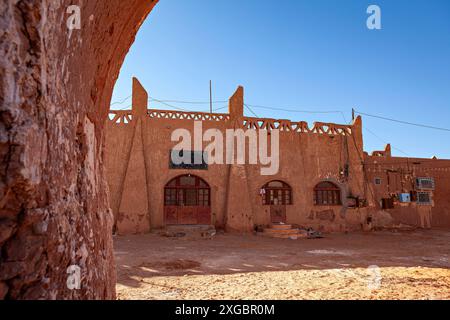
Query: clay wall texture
398, 175
55, 90
137, 160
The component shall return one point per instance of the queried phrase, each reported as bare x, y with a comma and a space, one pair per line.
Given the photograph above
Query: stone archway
55, 90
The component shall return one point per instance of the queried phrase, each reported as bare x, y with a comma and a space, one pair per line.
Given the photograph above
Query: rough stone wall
55, 89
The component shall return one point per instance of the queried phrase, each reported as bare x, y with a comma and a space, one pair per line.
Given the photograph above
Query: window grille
327, 194
424, 198
277, 193
425, 183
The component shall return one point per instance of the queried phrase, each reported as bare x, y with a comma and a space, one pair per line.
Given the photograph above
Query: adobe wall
55, 91
139, 151
397, 175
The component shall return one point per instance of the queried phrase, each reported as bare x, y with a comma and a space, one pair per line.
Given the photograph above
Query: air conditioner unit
425, 183
404, 197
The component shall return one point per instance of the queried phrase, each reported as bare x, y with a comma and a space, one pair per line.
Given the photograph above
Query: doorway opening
187, 201
277, 195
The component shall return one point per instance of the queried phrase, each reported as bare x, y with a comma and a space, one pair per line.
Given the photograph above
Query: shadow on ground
148, 256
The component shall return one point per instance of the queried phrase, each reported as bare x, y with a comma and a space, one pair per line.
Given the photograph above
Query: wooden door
187, 201
171, 215
278, 213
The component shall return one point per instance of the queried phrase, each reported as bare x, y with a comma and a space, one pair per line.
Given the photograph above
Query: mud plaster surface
413, 265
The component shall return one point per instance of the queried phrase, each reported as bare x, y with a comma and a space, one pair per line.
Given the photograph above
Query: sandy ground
412, 265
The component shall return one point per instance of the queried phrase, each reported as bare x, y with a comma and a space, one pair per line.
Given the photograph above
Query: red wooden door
187, 215
187, 201
204, 215
278, 213
171, 215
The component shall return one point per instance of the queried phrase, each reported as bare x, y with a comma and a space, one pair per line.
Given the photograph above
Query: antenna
210, 97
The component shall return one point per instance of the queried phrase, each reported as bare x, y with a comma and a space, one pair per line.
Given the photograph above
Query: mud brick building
414, 191
325, 179
56, 89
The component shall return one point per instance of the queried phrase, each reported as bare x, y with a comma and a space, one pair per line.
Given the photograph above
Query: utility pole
210, 97
353, 114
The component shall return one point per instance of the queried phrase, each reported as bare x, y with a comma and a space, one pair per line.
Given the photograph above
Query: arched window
187, 190
276, 193
327, 194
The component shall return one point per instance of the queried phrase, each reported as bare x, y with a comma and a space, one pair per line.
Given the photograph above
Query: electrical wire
250, 109
122, 109
292, 110
366, 184
120, 101
218, 109
189, 102
403, 122
165, 102
384, 141
250, 106
170, 105
411, 162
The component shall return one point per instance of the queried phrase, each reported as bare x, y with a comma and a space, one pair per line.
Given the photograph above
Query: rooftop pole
210, 97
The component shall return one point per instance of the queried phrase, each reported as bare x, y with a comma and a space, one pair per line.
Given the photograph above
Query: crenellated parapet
296, 127
120, 117
235, 115
180, 115
385, 153
123, 117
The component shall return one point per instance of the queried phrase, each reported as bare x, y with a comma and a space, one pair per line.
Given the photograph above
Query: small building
414, 191
324, 179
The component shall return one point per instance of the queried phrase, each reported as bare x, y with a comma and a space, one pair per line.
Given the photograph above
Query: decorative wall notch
140, 99
236, 104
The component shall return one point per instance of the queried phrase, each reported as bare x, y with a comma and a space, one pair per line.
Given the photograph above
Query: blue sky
313, 55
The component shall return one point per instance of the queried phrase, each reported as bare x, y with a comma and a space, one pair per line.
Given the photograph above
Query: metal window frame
286, 194
182, 189
419, 183
429, 197
322, 195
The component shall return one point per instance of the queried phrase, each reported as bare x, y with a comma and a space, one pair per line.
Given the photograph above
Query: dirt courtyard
412, 265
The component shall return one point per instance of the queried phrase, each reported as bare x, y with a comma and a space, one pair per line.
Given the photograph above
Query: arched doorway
277, 195
187, 201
